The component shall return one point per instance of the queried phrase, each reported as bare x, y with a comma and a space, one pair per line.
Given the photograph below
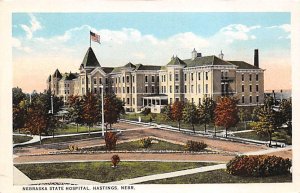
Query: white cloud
16, 43
284, 27
234, 32
34, 26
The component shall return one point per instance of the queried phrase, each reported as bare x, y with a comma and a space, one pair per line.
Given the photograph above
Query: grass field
21, 139
160, 119
253, 135
102, 171
135, 146
220, 176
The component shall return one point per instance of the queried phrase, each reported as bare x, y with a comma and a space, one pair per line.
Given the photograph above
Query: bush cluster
115, 159
258, 166
73, 147
146, 111
110, 140
195, 145
145, 142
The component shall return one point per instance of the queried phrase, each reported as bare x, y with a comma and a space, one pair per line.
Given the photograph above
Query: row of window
163, 77
250, 77
128, 101
250, 88
250, 99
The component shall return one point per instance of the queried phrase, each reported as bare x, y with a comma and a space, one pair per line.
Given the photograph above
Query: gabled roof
129, 65
205, 60
107, 69
90, 59
69, 76
57, 74
147, 67
243, 65
176, 61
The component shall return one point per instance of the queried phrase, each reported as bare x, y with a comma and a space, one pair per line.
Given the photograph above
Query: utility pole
102, 108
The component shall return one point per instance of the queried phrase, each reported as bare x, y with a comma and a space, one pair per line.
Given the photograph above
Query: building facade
147, 86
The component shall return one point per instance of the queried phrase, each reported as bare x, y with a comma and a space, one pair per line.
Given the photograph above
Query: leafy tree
75, 110
177, 112
190, 114
113, 108
19, 117
268, 121
285, 109
90, 112
206, 112
244, 115
226, 113
167, 111
18, 95
36, 121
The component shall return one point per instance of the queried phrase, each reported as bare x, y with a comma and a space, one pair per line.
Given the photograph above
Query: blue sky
45, 41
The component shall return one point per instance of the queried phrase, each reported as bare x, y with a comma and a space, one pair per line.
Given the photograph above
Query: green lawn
135, 146
102, 171
68, 129
160, 119
252, 135
21, 139
220, 176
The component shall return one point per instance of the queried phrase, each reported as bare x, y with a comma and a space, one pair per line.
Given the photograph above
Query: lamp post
102, 109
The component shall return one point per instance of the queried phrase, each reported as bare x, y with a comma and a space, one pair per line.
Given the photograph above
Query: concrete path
169, 175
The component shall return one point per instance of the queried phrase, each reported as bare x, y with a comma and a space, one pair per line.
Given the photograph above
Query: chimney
256, 59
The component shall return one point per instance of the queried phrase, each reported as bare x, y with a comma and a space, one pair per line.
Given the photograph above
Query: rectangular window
123, 79
95, 90
199, 88
199, 101
152, 88
119, 79
127, 89
257, 99
165, 89
127, 79
146, 78
146, 89
95, 81
170, 89
176, 89
192, 88
157, 78
192, 76
164, 78
250, 88
123, 89
243, 99
133, 101
250, 77
116, 80
199, 75
206, 88
257, 88
250, 99
256, 77
170, 77
243, 77
192, 100
153, 79
176, 99
128, 101
206, 75
184, 77
243, 88
171, 100
100, 81
185, 89
133, 89
176, 77
162, 89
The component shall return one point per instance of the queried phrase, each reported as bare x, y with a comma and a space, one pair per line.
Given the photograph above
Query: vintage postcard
143, 96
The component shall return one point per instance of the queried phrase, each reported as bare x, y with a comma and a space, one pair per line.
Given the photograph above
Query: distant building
141, 86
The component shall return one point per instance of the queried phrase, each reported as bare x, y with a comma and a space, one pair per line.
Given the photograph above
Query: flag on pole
95, 37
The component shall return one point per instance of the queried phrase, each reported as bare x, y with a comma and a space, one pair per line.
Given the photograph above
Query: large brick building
151, 86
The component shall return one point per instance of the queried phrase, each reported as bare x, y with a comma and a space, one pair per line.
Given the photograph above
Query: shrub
258, 166
115, 159
145, 142
195, 145
110, 140
73, 147
146, 111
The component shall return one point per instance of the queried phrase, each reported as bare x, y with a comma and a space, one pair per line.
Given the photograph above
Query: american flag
95, 37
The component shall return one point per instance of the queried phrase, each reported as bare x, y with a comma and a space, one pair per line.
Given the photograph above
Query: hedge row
258, 166
195, 146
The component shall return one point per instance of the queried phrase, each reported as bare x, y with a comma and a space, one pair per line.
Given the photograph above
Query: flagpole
90, 38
